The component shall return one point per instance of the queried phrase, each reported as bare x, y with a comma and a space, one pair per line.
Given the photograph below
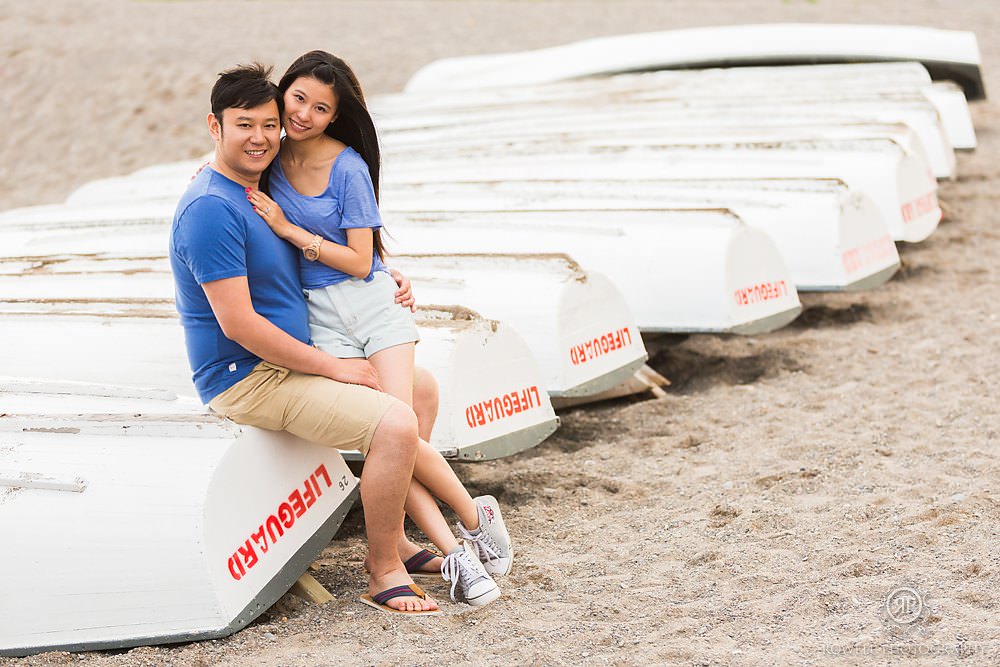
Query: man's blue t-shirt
216, 234
347, 203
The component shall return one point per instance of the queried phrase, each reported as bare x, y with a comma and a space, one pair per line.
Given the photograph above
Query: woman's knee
425, 399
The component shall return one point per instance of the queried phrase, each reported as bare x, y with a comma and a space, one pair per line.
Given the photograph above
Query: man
247, 335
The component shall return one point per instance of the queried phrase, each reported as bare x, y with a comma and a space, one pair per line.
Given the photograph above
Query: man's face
246, 140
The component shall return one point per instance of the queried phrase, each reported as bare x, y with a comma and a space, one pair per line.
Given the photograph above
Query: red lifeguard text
502, 406
273, 528
591, 349
759, 293
873, 251
920, 206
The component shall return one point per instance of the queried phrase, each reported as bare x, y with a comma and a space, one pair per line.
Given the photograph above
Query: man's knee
398, 430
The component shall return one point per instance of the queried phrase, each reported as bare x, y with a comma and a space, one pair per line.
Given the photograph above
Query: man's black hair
244, 87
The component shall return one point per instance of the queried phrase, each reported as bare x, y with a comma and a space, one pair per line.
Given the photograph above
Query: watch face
311, 251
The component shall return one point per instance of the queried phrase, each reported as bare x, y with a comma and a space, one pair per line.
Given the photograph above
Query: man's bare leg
385, 481
393, 365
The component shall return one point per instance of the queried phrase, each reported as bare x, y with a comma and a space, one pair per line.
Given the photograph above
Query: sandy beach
759, 514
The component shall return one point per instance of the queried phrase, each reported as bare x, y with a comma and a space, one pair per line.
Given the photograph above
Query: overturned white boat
141, 285
947, 54
830, 237
114, 231
679, 270
118, 313
917, 131
899, 183
838, 89
131, 228
493, 399
576, 323
167, 184
140, 518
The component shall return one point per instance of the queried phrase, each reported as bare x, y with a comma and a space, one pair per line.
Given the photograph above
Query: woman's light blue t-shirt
347, 203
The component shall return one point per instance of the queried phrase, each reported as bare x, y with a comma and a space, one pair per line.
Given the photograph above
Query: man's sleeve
211, 239
360, 208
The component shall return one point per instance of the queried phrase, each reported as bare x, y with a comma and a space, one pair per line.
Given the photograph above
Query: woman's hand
404, 295
270, 212
200, 169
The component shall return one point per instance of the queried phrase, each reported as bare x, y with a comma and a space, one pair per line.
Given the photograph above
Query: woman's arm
353, 259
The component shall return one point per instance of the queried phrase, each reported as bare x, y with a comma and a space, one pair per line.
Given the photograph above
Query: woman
324, 185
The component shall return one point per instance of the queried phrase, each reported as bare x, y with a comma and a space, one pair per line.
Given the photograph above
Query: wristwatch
311, 251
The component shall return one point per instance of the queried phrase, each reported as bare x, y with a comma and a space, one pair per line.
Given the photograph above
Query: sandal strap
418, 560
411, 590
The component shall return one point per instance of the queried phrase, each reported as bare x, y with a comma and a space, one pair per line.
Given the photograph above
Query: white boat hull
680, 271
119, 315
900, 184
142, 519
576, 323
830, 237
493, 401
947, 54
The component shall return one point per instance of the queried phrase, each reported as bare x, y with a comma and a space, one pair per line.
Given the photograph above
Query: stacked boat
550, 207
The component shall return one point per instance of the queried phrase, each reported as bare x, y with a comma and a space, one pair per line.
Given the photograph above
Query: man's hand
356, 371
233, 308
404, 295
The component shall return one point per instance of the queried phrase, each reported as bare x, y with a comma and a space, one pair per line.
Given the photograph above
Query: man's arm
230, 301
404, 295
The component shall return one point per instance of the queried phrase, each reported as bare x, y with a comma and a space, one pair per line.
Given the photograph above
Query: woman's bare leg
434, 473
425, 401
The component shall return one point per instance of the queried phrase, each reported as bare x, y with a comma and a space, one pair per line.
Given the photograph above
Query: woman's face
310, 105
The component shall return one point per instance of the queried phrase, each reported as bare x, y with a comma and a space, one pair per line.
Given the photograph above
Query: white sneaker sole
484, 598
500, 567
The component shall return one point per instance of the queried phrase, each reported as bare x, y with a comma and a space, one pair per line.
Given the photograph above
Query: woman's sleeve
360, 208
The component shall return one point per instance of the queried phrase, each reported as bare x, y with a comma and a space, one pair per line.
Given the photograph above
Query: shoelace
486, 546
454, 568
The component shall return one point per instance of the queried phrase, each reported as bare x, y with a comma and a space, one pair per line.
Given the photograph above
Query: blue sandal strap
398, 592
418, 560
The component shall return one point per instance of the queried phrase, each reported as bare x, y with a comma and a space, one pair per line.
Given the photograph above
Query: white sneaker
492, 541
463, 569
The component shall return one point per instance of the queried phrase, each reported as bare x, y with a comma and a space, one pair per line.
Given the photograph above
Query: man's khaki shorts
314, 408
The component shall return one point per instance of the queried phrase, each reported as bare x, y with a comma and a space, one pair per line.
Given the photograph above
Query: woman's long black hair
353, 125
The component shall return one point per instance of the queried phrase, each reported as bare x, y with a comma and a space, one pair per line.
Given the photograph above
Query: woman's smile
296, 125
310, 105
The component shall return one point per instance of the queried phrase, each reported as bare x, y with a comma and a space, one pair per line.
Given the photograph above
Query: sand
759, 514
